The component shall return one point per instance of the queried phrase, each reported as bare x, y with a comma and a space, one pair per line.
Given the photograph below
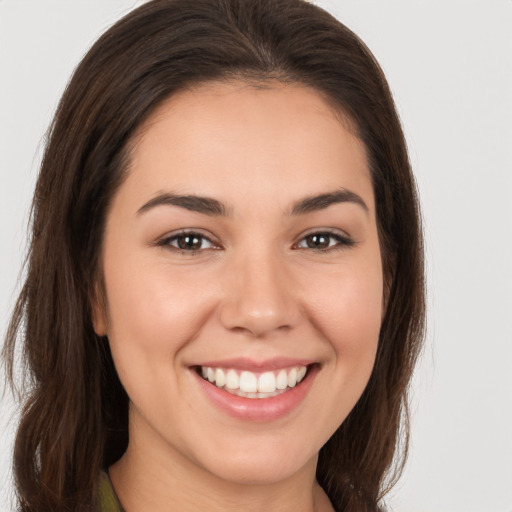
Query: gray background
449, 63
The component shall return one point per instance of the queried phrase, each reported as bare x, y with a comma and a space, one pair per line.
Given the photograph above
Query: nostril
258, 323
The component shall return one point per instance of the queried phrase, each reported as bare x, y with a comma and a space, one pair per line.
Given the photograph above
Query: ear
99, 311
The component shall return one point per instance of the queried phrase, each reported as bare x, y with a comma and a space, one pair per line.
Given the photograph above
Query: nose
259, 296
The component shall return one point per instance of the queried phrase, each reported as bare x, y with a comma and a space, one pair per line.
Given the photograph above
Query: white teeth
292, 378
267, 382
232, 381
220, 378
252, 385
248, 382
282, 380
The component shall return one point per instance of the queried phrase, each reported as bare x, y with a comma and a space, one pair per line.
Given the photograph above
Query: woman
224, 298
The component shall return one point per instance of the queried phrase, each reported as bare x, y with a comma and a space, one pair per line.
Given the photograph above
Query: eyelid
165, 241
344, 239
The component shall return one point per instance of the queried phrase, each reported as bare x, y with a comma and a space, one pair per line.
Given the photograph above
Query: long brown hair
74, 416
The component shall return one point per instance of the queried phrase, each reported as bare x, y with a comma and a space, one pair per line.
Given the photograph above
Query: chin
261, 466
249, 472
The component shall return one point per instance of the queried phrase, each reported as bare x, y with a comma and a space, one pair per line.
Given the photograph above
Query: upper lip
252, 365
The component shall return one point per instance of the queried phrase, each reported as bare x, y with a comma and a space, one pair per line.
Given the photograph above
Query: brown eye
323, 241
190, 242
318, 241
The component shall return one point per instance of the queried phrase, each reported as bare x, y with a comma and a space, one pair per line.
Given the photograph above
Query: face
243, 280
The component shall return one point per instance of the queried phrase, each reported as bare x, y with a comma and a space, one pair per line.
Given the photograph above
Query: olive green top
107, 499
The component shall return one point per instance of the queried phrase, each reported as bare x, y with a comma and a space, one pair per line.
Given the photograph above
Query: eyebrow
322, 201
213, 207
205, 205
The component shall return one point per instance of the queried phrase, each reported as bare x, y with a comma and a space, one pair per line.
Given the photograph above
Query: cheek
153, 310
153, 314
346, 306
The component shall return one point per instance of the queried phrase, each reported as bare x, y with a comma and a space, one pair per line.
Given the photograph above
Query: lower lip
258, 409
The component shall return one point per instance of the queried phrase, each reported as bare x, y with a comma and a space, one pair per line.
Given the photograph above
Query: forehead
230, 138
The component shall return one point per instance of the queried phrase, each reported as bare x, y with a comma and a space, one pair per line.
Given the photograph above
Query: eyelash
168, 241
342, 242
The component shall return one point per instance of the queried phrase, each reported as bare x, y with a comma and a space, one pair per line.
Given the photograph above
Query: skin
257, 290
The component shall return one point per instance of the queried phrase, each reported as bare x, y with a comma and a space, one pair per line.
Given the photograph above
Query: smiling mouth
249, 384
